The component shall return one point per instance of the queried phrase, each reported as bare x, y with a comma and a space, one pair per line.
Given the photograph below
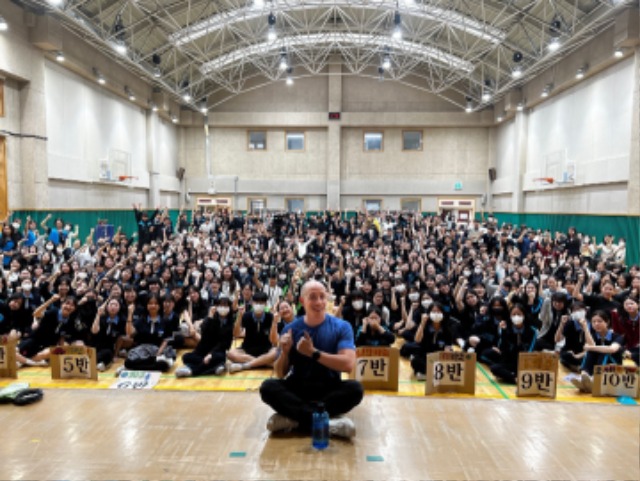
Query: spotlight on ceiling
618, 53
59, 56
4, 26
397, 29
386, 62
554, 44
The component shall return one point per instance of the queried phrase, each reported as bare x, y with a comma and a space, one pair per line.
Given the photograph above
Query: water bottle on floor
320, 430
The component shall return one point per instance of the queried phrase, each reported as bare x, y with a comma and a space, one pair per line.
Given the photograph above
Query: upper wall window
412, 140
373, 141
257, 140
1, 98
295, 140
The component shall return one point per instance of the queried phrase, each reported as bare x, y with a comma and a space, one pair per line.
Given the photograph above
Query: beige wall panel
363, 94
306, 95
231, 156
448, 153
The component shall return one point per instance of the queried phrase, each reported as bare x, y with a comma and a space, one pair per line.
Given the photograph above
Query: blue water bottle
320, 429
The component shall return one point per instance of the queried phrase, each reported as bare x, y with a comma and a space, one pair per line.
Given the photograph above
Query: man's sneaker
278, 422
183, 371
165, 359
220, 370
586, 382
342, 427
235, 367
101, 367
420, 376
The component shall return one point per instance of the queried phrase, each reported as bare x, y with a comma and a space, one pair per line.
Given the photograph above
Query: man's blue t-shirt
332, 336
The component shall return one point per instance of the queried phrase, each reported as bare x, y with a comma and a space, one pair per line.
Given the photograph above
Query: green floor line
490, 379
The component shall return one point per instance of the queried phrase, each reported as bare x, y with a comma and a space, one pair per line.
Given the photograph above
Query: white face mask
436, 317
400, 288
242, 270
358, 285
426, 303
517, 320
414, 296
15, 225
357, 305
466, 273
478, 270
282, 277
223, 310
82, 275
578, 315
258, 308
26, 287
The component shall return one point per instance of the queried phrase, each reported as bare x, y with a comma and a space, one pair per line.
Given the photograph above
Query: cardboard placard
8, 366
615, 380
73, 362
377, 367
451, 372
537, 374
136, 380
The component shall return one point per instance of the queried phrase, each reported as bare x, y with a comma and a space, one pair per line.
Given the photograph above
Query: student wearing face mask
256, 350
372, 332
515, 335
554, 308
214, 340
354, 310
627, 323
572, 331
433, 335
485, 332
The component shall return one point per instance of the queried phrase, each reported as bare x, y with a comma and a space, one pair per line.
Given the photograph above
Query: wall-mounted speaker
493, 175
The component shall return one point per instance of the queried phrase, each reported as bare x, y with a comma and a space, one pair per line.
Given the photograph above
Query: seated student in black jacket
257, 348
107, 329
433, 335
516, 335
372, 332
214, 340
53, 326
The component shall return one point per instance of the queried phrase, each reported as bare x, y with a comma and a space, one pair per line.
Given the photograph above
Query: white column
153, 198
334, 134
633, 187
519, 161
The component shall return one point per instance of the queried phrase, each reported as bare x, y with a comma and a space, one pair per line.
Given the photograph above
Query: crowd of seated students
427, 282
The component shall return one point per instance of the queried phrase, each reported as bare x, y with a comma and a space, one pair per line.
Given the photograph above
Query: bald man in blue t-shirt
312, 352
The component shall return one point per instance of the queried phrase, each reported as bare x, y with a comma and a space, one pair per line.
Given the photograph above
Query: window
412, 140
1, 98
256, 205
295, 140
295, 205
373, 141
413, 205
257, 140
373, 205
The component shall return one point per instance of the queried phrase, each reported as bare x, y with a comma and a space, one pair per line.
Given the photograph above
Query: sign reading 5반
73, 362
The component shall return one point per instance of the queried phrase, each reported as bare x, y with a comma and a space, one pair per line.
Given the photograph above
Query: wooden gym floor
102, 434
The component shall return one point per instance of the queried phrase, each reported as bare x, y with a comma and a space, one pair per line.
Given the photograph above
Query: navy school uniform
256, 333
374, 338
105, 340
54, 329
150, 331
573, 345
433, 340
592, 359
216, 338
511, 342
487, 328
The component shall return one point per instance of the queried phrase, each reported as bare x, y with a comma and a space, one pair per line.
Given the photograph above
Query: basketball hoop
544, 180
123, 178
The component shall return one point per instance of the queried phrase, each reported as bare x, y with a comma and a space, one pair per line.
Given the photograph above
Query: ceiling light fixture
580, 73
554, 44
59, 56
397, 30
618, 53
4, 26
516, 72
547, 90
520, 106
271, 32
129, 93
469, 108
99, 77
386, 62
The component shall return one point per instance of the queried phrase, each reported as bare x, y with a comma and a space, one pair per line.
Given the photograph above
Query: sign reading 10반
615, 380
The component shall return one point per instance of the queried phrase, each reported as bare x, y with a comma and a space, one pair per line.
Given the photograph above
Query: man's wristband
316, 355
